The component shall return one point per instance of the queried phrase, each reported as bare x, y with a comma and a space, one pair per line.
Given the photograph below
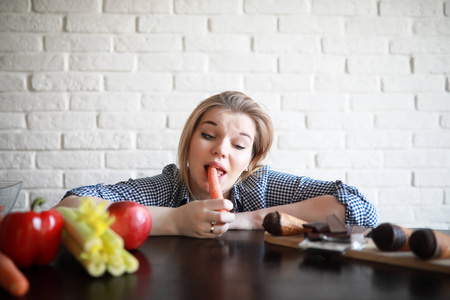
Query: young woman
232, 133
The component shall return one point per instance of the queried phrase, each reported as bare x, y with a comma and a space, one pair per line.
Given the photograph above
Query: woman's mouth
220, 171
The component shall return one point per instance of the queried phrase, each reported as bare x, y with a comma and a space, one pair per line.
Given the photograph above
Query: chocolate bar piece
316, 227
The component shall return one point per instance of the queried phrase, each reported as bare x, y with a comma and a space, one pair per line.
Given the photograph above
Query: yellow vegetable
88, 236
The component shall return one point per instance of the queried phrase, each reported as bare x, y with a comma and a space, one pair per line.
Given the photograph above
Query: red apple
133, 222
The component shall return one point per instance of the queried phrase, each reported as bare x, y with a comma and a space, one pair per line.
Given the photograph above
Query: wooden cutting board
371, 253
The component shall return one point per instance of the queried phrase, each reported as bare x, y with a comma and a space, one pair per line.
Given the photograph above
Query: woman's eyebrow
209, 122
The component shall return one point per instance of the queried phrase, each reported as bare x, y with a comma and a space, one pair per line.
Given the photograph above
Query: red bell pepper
31, 238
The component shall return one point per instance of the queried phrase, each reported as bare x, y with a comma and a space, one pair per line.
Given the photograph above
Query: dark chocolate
423, 243
389, 237
272, 223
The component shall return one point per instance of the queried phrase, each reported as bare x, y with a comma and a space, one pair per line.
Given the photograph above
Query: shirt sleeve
285, 188
159, 190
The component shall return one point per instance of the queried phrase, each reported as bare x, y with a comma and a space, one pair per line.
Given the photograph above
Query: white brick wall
98, 91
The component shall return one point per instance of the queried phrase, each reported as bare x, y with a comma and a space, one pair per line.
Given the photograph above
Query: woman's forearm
310, 210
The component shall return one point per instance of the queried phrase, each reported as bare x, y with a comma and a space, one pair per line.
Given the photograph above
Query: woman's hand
203, 219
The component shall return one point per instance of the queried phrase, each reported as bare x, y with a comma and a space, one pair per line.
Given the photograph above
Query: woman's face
222, 139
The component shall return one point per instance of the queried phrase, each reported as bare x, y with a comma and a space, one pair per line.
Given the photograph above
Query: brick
30, 22
105, 102
311, 25
344, 7
34, 178
435, 214
172, 101
12, 83
217, 43
416, 158
277, 82
330, 120
158, 140
67, 6
16, 160
61, 120
420, 197
406, 120
14, 5
243, 24
207, 7
101, 62
288, 120
173, 62
445, 121
414, 8
77, 43
377, 26
432, 178
20, 42
26, 140
380, 178
32, 62
345, 83
138, 82
207, 82
378, 139
311, 140
253, 63
300, 63
98, 140
137, 6
382, 102
447, 8
431, 27
399, 215
355, 45
276, 7
61, 82
285, 43
76, 178
432, 64
413, 83
148, 43
432, 139
288, 159
425, 45
347, 159
155, 159
12, 121
32, 102
176, 120
172, 24
433, 102
69, 160
131, 121
100, 23
314, 102
378, 65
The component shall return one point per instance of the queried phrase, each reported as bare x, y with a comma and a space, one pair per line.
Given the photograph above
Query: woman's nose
220, 148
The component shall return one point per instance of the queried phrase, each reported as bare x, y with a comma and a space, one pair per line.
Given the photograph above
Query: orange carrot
12, 279
214, 187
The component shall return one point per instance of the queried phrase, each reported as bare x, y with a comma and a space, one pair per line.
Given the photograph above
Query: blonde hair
235, 102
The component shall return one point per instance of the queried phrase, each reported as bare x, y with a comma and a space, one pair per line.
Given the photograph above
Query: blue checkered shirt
265, 188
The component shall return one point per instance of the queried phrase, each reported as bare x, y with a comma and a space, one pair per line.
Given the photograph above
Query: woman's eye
239, 147
207, 136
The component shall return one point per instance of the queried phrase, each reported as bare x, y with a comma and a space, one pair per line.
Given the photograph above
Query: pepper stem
37, 202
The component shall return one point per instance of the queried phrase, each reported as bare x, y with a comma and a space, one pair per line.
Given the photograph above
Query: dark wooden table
238, 265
